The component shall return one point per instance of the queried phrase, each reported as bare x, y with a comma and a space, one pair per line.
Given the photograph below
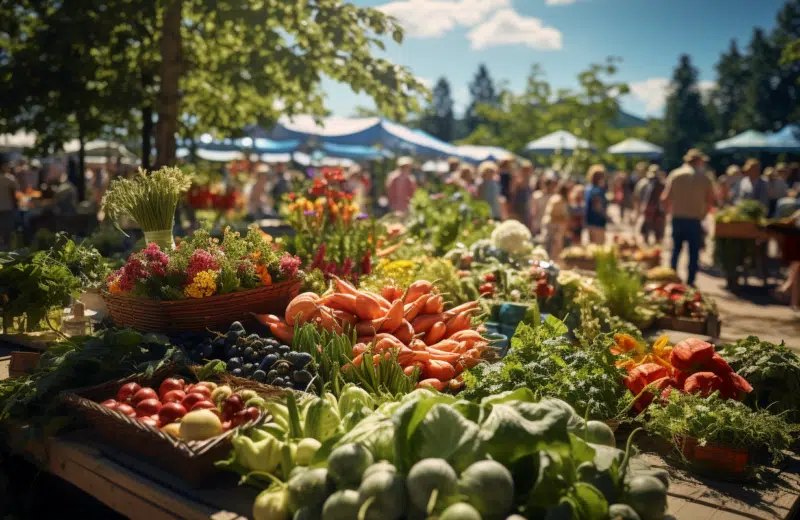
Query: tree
483, 92
438, 119
686, 124
763, 104
786, 36
728, 98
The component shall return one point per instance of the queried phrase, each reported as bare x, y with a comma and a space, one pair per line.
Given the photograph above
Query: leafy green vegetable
772, 370
723, 421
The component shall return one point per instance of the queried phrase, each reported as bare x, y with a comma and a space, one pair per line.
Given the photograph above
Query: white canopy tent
751, 140
633, 147
17, 141
558, 141
477, 154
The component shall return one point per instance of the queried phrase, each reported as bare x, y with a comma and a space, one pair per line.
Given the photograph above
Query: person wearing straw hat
688, 196
752, 186
729, 183
401, 185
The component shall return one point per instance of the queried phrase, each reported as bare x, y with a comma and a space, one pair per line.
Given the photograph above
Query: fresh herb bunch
743, 211
623, 291
545, 361
150, 199
449, 218
723, 421
774, 372
32, 285
83, 361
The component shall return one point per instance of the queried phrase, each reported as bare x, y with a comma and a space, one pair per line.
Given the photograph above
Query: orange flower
263, 274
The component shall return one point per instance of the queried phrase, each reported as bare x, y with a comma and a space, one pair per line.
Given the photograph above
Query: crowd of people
562, 210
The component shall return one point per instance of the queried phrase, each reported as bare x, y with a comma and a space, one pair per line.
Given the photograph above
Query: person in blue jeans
688, 196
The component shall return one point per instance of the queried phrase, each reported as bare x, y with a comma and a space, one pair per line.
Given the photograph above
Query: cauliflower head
511, 236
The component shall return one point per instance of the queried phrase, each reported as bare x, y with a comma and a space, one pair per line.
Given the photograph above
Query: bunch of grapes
251, 356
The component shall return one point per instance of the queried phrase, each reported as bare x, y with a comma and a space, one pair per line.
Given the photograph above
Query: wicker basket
214, 312
191, 460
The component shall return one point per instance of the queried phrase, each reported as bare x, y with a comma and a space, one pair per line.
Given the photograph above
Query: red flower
201, 260
489, 277
366, 263
319, 259
289, 265
292, 196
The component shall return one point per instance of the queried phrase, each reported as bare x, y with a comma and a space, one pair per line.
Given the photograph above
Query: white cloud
507, 27
560, 2
433, 18
654, 91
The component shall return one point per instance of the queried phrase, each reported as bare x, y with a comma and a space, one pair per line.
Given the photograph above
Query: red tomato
126, 409
204, 405
148, 407
170, 413
173, 396
168, 385
142, 394
232, 406
126, 391
199, 389
192, 399
110, 403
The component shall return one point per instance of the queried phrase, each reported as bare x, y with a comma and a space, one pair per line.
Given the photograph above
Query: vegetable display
434, 455
411, 325
680, 300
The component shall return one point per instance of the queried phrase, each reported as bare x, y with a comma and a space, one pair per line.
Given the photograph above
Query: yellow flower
204, 284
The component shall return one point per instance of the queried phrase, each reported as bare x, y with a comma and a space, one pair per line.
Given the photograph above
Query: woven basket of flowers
202, 284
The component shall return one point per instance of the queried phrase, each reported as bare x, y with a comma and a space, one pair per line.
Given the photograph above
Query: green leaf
445, 433
555, 326
590, 502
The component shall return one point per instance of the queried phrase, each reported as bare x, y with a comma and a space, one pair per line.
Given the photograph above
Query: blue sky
452, 37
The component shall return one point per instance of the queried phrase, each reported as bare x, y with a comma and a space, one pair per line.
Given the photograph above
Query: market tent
477, 154
100, 148
403, 140
358, 153
17, 141
261, 145
785, 140
751, 140
560, 140
633, 147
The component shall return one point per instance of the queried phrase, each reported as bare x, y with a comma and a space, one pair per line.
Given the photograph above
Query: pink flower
289, 265
201, 260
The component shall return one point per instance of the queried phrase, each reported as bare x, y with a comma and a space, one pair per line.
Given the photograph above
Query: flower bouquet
203, 282
331, 233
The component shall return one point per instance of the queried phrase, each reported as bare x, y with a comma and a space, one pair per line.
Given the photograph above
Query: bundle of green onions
150, 200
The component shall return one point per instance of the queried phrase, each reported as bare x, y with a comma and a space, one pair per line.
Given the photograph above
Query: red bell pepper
690, 355
703, 383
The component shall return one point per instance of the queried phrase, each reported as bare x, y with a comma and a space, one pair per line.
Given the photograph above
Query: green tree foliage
204, 66
686, 123
483, 93
787, 38
729, 98
438, 119
764, 108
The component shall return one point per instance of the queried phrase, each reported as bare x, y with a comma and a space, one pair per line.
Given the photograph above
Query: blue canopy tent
785, 140
369, 131
357, 153
477, 154
558, 141
633, 147
749, 141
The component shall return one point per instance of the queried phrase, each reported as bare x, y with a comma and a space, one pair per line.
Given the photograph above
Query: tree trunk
168, 96
147, 134
80, 179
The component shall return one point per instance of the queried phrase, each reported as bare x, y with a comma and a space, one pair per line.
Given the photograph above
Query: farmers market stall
434, 366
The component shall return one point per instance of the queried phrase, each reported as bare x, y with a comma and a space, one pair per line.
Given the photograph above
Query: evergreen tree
483, 92
765, 107
729, 96
438, 120
786, 37
686, 123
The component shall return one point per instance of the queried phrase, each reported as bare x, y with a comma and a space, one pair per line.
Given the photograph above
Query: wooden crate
743, 230
23, 363
710, 326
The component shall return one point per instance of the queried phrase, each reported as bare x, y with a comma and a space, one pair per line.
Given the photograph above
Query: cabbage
354, 398
321, 421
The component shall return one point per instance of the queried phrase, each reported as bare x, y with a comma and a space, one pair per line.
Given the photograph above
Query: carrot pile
411, 325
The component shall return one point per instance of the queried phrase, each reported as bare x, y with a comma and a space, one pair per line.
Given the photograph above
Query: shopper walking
688, 196
596, 204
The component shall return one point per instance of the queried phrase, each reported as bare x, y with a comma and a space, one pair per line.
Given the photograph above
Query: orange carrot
340, 302
417, 289
344, 287
358, 360
417, 344
457, 323
390, 337
391, 292
282, 331
267, 319
431, 383
368, 307
436, 333
409, 370
469, 306
404, 333
359, 348
301, 308
449, 357
440, 370
445, 345
345, 318
426, 321
414, 309
394, 317
383, 302
466, 334
388, 251
470, 362
435, 304
384, 344
368, 327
